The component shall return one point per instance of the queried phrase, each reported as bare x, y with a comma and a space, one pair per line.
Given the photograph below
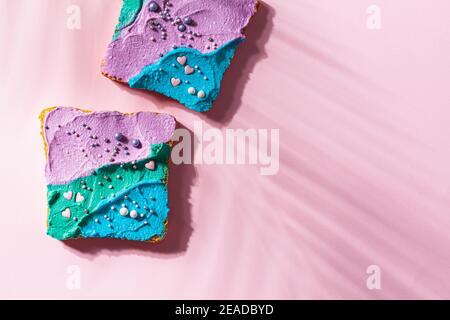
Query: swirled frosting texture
77, 141
115, 185
143, 36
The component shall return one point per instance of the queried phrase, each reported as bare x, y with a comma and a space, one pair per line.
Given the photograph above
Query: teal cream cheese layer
188, 76
127, 201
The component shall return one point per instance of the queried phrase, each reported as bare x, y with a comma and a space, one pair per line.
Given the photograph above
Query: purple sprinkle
136, 143
119, 136
153, 6
188, 21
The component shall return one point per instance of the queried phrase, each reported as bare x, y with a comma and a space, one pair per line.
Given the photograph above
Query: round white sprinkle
123, 211
142, 215
192, 90
113, 208
201, 94
133, 214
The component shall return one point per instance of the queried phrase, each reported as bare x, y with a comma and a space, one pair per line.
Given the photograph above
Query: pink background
365, 158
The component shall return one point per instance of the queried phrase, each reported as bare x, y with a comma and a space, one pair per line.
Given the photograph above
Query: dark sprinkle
136, 143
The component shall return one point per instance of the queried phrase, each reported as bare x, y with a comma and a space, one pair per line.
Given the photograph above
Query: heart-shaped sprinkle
188, 70
68, 195
151, 165
182, 60
79, 197
66, 213
175, 82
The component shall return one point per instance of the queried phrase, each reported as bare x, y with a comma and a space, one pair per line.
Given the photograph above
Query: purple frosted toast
107, 173
180, 48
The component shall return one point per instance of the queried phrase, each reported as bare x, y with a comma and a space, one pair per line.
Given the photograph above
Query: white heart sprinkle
79, 197
188, 70
66, 213
151, 165
175, 82
68, 195
201, 94
182, 60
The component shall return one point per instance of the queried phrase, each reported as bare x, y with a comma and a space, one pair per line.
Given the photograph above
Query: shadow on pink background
364, 153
